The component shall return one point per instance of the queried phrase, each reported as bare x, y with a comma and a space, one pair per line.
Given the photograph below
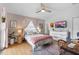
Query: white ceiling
29, 9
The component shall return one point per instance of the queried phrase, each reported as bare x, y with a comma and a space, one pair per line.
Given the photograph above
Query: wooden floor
18, 49
21, 49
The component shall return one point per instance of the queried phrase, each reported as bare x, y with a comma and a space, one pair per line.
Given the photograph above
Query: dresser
59, 35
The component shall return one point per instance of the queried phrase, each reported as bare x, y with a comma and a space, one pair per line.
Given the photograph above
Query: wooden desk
64, 45
71, 50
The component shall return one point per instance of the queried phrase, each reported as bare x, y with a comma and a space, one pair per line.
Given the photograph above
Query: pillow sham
30, 33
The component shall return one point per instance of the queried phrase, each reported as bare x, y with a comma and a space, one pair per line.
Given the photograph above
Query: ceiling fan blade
38, 11
42, 5
48, 11
44, 8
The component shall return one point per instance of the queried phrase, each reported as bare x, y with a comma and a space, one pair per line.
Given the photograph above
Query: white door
75, 27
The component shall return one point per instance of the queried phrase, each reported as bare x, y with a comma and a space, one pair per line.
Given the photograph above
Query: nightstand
20, 35
19, 39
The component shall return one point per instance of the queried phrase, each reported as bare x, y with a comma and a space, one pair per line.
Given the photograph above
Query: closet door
75, 28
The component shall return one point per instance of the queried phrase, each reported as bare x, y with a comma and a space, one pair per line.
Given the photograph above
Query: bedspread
49, 50
40, 38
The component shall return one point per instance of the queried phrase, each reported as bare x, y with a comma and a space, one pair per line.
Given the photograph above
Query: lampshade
38, 28
19, 30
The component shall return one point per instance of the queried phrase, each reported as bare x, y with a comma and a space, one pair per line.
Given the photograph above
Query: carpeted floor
18, 49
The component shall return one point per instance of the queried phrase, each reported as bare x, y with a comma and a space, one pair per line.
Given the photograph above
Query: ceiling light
42, 10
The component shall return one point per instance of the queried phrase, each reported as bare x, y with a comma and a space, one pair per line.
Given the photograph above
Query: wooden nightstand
19, 39
64, 48
20, 36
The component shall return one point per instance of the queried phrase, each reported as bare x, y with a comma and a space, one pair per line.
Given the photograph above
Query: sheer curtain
3, 36
3, 30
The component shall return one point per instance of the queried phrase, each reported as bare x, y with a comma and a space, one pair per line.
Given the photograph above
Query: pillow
30, 33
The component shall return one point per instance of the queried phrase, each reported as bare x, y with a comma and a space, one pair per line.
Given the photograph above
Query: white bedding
28, 38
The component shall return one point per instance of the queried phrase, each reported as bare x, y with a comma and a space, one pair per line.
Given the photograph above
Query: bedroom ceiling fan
44, 8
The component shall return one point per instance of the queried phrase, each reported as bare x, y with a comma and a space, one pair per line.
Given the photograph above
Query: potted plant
12, 38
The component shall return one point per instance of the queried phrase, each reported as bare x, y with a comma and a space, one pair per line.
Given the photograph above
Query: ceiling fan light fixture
42, 10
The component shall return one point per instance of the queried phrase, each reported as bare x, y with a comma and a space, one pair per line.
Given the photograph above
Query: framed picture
61, 24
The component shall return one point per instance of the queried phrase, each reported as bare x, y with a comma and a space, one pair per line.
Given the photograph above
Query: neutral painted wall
23, 21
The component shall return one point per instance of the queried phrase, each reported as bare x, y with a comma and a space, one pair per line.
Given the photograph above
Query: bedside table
20, 36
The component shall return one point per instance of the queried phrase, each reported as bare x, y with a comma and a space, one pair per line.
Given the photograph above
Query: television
61, 24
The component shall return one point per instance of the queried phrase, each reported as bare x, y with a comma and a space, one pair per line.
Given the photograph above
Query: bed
37, 39
41, 41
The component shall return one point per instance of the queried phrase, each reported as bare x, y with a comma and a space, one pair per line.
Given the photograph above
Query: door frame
72, 35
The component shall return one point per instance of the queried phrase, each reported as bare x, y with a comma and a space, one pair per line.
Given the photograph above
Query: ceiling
29, 9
